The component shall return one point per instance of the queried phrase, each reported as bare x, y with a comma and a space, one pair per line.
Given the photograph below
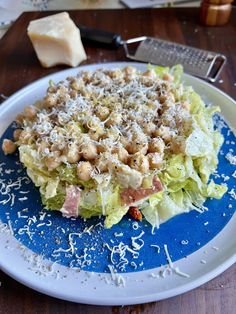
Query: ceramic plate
80, 261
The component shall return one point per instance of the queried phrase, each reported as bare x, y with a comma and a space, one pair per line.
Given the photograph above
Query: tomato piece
135, 213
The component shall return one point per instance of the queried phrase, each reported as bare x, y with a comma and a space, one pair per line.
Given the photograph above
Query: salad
113, 141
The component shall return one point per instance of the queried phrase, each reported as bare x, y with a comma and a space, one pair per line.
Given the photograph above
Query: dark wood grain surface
19, 66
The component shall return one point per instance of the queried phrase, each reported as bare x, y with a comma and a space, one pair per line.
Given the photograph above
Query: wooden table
19, 66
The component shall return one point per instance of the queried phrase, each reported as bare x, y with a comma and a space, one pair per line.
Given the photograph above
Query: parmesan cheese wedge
56, 40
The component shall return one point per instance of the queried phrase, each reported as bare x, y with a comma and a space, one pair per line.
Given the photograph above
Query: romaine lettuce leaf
195, 101
177, 72
56, 202
31, 160
48, 182
49, 190
167, 208
103, 201
215, 190
114, 211
160, 70
198, 144
150, 210
115, 216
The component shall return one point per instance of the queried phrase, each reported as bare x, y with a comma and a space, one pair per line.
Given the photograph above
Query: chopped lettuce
31, 160
167, 208
114, 211
48, 182
105, 202
115, 216
215, 190
50, 189
177, 72
160, 70
150, 210
55, 202
195, 101
198, 144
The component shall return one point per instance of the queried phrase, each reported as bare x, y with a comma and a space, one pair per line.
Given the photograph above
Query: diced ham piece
70, 207
129, 196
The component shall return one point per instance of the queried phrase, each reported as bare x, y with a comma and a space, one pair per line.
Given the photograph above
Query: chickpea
169, 102
89, 151
124, 141
96, 135
93, 123
39, 104
62, 90
30, 112
50, 100
150, 73
77, 85
84, 170
52, 162
113, 133
167, 105
177, 145
73, 94
155, 160
87, 76
162, 99
137, 146
102, 112
8, 147
52, 89
129, 70
186, 105
72, 153
101, 163
130, 73
42, 146
63, 94
101, 148
54, 148
149, 128
20, 118
167, 77
16, 134
115, 118
115, 74
164, 133
139, 162
121, 153
24, 137
156, 145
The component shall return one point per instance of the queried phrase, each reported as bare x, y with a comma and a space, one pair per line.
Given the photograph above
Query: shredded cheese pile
119, 121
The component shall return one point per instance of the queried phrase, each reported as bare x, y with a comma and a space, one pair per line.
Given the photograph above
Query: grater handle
100, 36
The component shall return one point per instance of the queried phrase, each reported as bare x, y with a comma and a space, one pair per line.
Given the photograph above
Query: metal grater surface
195, 61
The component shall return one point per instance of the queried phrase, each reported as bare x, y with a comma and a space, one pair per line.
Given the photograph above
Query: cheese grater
202, 63
198, 62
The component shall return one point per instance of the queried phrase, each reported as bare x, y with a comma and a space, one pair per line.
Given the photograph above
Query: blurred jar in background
215, 12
